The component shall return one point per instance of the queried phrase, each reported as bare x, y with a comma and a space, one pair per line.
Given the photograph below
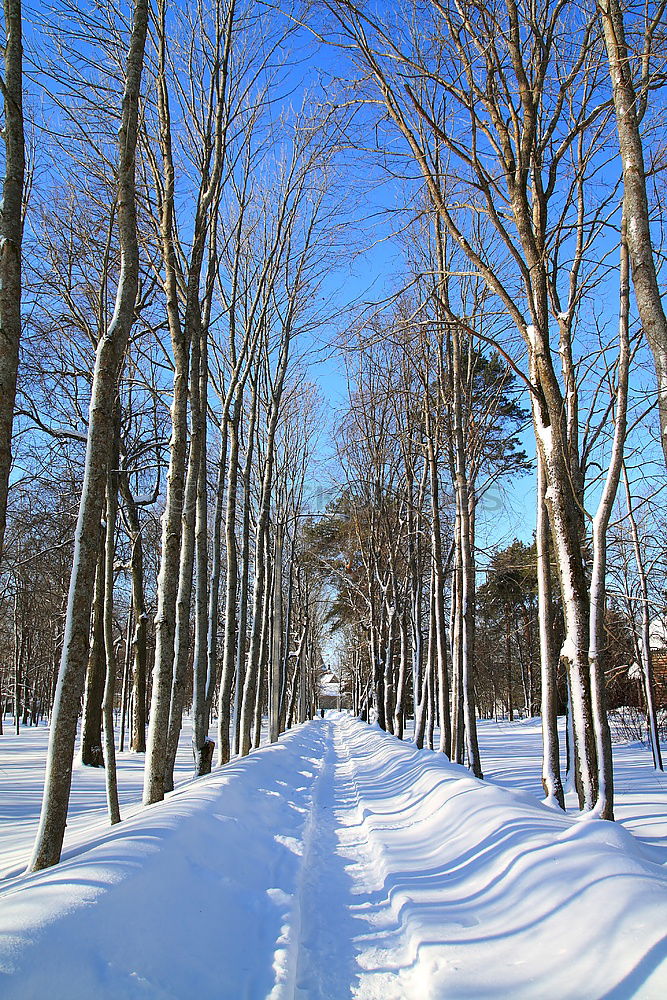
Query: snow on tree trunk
563, 519
551, 779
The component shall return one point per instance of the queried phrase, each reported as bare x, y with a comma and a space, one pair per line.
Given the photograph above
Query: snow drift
341, 862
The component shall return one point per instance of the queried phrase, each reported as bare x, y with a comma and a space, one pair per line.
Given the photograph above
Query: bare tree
187, 331
522, 125
108, 361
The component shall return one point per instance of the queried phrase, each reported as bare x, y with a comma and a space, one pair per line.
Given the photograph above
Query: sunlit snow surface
340, 863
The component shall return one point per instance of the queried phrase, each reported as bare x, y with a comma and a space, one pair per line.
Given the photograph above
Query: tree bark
275, 660
201, 748
168, 576
231, 635
605, 798
240, 658
139, 634
11, 236
92, 754
111, 780
551, 778
185, 577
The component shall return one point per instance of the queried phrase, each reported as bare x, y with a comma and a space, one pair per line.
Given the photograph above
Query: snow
658, 634
568, 650
546, 436
512, 758
22, 765
340, 862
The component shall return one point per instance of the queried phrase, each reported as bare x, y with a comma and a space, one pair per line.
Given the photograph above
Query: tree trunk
275, 660
168, 577
261, 685
108, 361
566, 530
261, 558
213, 673
92, 754
110, 655
389, 696
440, 572
240, 658
185, 577
125, 693
11, 236
201, 748
605, 800
421, 712
551, 779
399, 710
253, 664
640, 246
508, 664
139, 635
230, 636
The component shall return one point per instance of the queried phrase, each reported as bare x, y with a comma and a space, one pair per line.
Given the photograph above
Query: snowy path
340, 863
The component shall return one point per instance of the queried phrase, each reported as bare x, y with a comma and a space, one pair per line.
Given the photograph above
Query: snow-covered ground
22, 766
512, 757
336, 863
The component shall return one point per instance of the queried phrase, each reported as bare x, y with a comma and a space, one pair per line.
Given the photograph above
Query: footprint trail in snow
341, 863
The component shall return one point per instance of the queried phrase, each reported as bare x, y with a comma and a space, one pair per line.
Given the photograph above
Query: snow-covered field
512, 758
22, 765
338, 863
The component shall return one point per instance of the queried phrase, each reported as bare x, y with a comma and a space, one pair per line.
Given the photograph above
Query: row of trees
514, 117
182, 223
174, 281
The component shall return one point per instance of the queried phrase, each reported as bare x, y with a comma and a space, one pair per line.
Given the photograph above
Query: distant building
330, 692
658, 644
